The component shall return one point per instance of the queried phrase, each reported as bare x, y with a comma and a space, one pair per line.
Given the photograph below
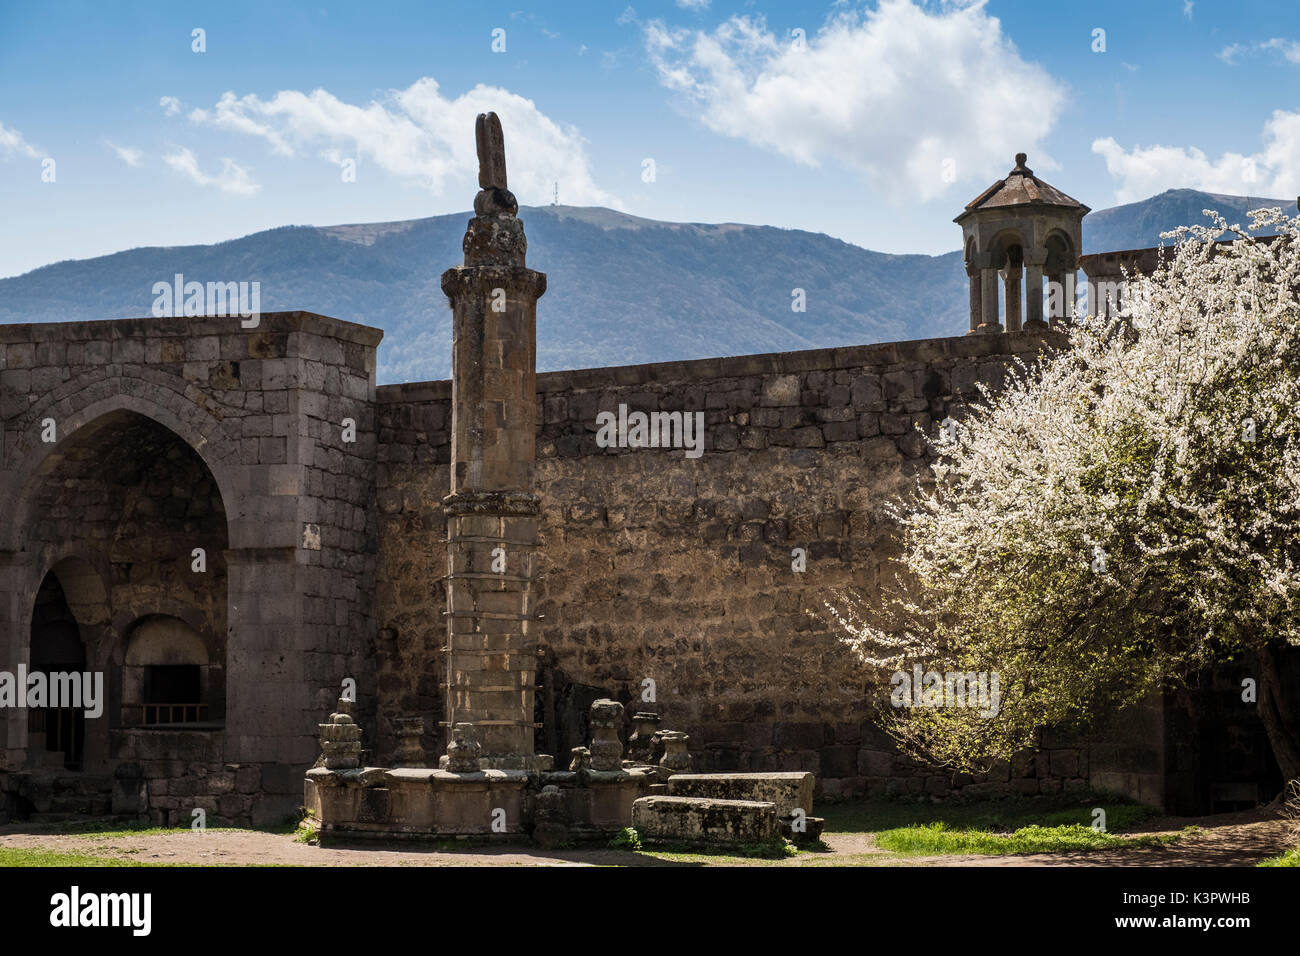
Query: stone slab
789, 791
698, 820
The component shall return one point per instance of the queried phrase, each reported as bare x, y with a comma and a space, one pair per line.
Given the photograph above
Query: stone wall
266, 410
656, 566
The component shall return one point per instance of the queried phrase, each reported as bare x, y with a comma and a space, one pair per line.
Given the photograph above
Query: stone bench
789, 791
703, 820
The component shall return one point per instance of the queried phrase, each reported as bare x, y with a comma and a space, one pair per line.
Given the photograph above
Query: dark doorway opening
56, 647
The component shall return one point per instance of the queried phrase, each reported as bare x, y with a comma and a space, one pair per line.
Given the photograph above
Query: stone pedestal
409, 753
676, 758
606, 748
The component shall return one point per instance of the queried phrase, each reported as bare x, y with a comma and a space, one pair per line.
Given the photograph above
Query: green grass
1004, 815
903, 827
1289, 858
939, 839
117, 828
627, 839
21, 856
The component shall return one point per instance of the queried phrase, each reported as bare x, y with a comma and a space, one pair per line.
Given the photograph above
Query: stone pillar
409, 752
989, 308
1034, 297
676, 757
606, 748
1057, 305
491, 651
976, 299
1011, 277
340, 739
18, 586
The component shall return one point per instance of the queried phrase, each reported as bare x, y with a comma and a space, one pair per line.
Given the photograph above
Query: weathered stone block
788, 791
697, 820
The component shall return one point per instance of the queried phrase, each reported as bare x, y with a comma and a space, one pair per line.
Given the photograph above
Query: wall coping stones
189, 327
766, 363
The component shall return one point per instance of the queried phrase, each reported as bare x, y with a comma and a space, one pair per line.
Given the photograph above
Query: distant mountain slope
622, 289
1138, 225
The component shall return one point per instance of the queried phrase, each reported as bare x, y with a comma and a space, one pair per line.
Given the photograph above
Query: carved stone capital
461, 281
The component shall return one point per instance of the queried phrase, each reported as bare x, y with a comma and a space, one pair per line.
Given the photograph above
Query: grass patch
22, 856
1289, 858
685, 852
940, 839
627, 839
1001, 816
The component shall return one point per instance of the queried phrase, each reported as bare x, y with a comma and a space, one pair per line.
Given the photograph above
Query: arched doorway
138, 504
56, 733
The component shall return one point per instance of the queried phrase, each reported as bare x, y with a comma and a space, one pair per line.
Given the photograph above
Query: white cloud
1273, 171
1187, 8
170, 104
892, 94
420, 136
1290, 50
233, 178
127, 154
693, 4
1231, 53
12, 142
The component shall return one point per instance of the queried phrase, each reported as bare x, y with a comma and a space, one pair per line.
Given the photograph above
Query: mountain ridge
622, 289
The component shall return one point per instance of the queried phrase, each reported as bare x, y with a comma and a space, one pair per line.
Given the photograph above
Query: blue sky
876, 125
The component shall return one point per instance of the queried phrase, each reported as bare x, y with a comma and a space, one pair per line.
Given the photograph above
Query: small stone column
676, 758
1058, 305
606, 748
409, 752
640, 745
976, 299
989, 308
463, 750
1034, 298
340, 739
1011, 276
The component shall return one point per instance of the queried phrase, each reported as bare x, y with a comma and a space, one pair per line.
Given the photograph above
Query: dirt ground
1240, 839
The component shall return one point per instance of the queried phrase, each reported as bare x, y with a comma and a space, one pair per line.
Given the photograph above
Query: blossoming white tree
1124, 511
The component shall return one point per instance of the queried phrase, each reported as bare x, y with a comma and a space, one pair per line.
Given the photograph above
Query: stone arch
1007, 252
68, 610
115, 509
1061, 253
1060, 266
72, 413
1001, 246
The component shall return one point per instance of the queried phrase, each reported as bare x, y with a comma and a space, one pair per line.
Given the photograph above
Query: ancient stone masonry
126, 446
491, 650
655, 566
542, 628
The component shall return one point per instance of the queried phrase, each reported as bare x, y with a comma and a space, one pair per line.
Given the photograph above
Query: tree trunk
1279, 705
